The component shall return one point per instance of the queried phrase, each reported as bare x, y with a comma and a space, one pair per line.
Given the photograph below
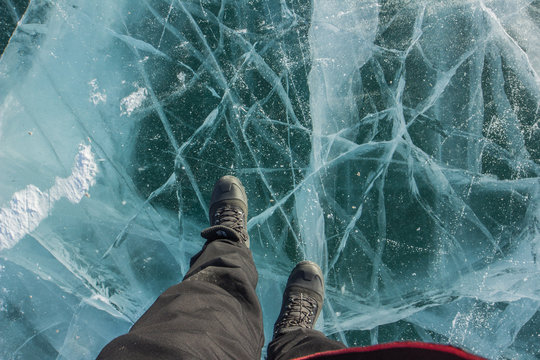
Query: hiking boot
302, 300
228, 211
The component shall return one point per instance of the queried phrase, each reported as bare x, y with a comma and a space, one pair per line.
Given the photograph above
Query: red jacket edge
406, 346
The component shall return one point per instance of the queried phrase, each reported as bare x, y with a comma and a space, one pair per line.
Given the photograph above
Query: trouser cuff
220, 232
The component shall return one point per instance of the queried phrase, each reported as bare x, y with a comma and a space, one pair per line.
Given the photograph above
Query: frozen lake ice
395, 143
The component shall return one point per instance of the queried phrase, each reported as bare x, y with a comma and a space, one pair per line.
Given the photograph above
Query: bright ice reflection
397, 143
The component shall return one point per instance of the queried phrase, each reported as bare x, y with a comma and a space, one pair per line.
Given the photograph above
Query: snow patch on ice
133, 101
97, 96
28, 207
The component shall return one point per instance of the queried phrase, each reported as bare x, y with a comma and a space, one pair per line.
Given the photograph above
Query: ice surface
396, 143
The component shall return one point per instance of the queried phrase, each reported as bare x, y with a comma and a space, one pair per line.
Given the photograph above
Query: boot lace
231, 217
300, 312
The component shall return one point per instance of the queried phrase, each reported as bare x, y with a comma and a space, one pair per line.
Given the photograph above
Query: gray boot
228, 211
302, 300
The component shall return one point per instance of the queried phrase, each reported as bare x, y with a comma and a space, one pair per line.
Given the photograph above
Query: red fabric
396, 350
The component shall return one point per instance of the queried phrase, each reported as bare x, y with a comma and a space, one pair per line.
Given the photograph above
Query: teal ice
394, 142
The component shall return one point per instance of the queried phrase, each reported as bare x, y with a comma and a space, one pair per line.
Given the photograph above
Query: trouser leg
300, 342
214, 313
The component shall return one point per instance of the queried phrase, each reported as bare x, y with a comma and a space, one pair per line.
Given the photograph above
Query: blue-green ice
394, 142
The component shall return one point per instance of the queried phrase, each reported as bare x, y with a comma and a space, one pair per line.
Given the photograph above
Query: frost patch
99, 298
28, 207
96, 96
181, 79
133, 101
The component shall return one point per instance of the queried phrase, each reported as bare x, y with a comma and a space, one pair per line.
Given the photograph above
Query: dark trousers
214, 313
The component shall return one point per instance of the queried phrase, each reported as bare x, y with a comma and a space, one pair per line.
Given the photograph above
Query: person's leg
302, 303
300, 342
214, 313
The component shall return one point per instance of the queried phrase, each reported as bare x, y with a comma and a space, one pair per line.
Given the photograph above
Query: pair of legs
214, 313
